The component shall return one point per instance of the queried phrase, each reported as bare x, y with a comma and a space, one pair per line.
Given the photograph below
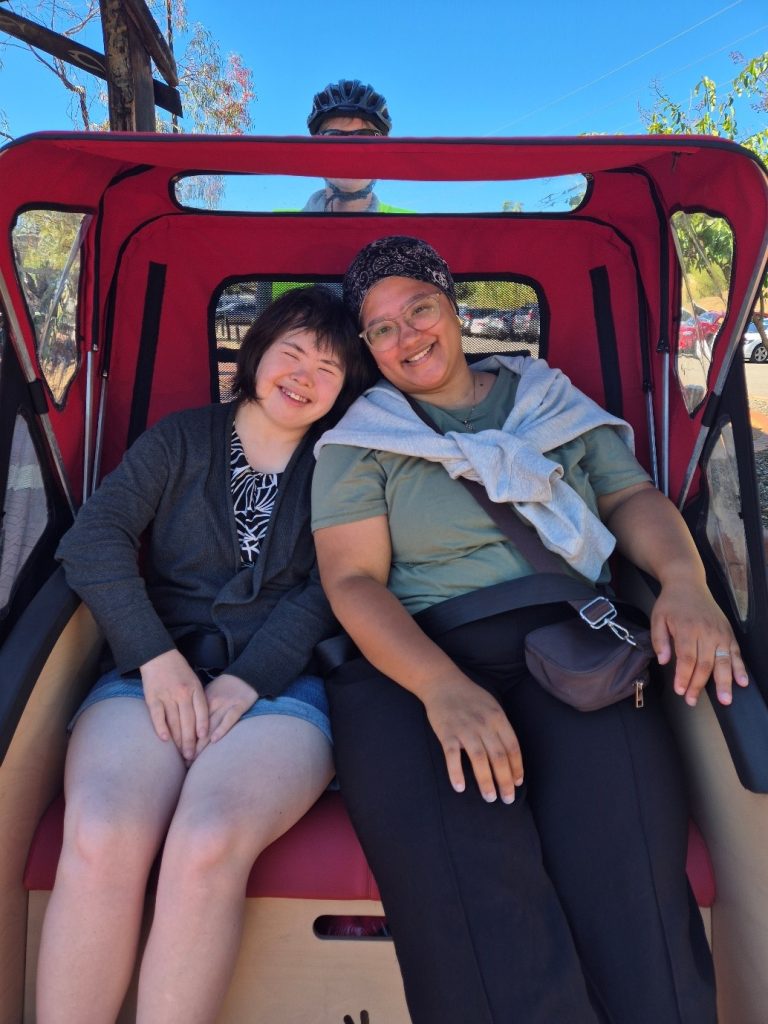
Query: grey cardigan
174, 484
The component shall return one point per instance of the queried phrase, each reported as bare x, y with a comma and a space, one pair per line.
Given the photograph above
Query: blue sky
491, 68
456, 68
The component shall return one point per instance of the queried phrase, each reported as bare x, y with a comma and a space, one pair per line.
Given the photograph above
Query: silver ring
722, 654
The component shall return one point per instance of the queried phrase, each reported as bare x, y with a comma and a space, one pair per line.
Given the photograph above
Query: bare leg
121, 784
239, 796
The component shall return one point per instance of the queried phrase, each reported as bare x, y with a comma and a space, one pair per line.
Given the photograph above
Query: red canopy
620, 232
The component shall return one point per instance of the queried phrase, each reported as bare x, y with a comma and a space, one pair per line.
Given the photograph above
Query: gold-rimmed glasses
421, 314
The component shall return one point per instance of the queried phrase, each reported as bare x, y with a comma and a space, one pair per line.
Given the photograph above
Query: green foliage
494, 294
705, 250
704, 242
43, 239
46, 247
216, 90
716, 111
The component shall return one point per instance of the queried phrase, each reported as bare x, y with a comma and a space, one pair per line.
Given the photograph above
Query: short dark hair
316, 309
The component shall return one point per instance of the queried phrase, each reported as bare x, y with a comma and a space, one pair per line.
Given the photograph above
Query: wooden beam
79, 56
127, 69
153, 40
143, 96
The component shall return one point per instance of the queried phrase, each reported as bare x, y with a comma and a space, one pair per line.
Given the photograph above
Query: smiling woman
288, 382
415, 336
217, 716
294, 376
521, 823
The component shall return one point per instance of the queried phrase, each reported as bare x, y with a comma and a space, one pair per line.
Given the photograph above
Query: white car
755, 350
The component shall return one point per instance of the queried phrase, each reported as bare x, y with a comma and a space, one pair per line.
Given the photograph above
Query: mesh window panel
496, 317
499, 316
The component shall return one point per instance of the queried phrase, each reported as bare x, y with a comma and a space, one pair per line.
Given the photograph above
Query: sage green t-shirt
443, 542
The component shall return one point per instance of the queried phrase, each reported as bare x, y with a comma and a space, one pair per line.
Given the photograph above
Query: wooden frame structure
132, 41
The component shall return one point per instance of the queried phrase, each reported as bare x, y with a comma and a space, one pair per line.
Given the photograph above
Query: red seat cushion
319, 858
698, 865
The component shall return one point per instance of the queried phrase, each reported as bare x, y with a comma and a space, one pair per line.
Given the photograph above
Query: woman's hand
176, 701
354, 560
652, 534
686, 618
228, 697
467, 718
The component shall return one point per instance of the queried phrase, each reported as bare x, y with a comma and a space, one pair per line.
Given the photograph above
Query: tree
710, 112
216, 89
715, 111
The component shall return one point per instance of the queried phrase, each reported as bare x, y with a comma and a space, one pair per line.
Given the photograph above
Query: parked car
526, 321
713, 317
495, 323
695, 336
237, 309
754, 347
476, 317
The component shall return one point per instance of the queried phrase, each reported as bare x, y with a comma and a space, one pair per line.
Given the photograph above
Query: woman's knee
103, 838
210, 844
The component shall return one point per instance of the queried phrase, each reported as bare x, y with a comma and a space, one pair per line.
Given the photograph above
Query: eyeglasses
368, 132
421, 314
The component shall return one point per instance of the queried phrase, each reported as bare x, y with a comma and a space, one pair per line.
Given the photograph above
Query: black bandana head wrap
396, 256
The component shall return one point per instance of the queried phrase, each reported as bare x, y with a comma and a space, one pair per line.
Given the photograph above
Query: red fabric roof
636, 184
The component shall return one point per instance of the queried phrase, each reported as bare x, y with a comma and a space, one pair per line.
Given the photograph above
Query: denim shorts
304, 698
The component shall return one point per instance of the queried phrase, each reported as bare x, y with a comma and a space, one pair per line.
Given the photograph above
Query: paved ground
757, 381
757, 387
759, 430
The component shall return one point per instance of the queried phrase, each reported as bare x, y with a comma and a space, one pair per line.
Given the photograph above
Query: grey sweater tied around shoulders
510, 463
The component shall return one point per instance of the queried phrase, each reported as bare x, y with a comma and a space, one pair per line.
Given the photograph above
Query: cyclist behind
348, 107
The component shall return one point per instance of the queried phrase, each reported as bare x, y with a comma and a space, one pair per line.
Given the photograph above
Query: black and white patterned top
253, 497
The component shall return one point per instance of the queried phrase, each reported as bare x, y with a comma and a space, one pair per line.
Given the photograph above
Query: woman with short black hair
209, 732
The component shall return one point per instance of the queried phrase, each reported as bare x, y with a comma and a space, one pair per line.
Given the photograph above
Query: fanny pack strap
543, 588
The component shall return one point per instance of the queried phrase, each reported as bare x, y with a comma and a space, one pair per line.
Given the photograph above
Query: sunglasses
368, 132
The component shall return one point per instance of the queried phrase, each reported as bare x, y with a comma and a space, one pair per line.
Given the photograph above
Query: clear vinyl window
704, 247
47, 247
293, 193
725, 525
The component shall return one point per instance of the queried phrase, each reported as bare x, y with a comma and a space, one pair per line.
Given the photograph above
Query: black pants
571, 905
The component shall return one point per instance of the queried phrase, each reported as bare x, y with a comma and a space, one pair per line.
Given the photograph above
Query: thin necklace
467, 423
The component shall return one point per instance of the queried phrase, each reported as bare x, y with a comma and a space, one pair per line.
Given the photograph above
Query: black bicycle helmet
349, 98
